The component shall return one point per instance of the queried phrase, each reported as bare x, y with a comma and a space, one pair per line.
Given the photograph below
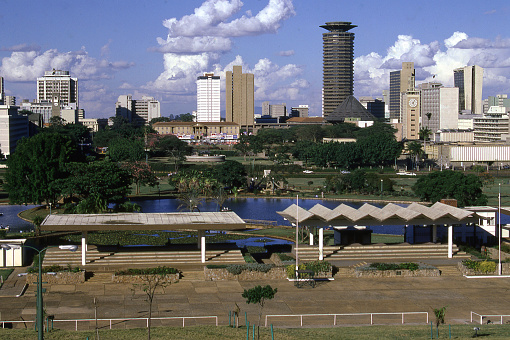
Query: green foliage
124, 149
259, 294
394, 266
162, 270
35, 165
237, 269
230, 174
249, 259
484, 267
285, 257
318, 266
3, 233
466, 189
128, 207
440, 315
54, 269
291, 270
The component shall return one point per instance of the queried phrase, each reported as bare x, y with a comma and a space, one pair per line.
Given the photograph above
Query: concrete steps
100, 277
449, 270
380, 252
142, 258
196, 275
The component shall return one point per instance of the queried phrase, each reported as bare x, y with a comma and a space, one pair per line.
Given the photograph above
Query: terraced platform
133, 258
401, 251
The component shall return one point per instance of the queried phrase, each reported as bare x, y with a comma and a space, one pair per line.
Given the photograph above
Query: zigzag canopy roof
369, 214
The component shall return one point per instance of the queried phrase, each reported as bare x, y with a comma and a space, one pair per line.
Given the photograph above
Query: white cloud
371, 71
21, 48
196, 42
27, 66
287, 53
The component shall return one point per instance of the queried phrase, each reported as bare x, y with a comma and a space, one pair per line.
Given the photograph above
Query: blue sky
158, 47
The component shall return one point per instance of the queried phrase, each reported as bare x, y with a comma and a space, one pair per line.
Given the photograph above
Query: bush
3, 233
148, 271
55, 269
285, 257
237, 269
291, 270
249, 259
318, 266
484, 267
394, 266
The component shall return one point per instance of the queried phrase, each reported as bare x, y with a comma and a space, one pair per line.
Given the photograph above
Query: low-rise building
214, 132
13, 127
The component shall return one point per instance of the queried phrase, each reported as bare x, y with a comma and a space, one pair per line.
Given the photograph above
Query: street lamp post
381, 186
39, 305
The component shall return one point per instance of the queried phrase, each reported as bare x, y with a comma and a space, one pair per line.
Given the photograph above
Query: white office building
441, 104
139, 112
58, 86
13, 127
469, 80
208, 98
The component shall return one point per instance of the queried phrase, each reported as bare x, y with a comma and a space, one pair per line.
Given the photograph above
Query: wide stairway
134, 259
400, 251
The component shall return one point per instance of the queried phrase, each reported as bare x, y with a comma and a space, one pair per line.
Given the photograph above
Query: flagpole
297, 232
499, 229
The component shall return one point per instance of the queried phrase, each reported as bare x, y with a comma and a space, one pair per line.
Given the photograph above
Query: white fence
112, 321
483, 316
335, 316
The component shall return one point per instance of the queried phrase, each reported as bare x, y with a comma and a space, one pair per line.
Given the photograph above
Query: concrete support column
202, 247
434, 233
200, 233
311, 238
450, 241
321, 243
83, 248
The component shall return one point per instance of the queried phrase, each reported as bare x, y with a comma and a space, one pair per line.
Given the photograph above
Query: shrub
484, 267
249, 259
291, 270
394, 266
237, 269
148, 271
318, 266
55, 269
285, 257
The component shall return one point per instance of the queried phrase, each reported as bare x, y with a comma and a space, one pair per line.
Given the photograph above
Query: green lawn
5, 274
224, 332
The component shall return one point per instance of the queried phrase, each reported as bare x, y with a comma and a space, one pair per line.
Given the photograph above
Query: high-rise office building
208, 98
58, 87
2, 91
338, 65
239, 97
439, 107
469, 80
400, 82
139, 112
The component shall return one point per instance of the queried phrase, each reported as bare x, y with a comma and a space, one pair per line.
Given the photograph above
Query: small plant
259, 294
148, 271
484, 267
394, 266
285, 257
237, 269
439, 314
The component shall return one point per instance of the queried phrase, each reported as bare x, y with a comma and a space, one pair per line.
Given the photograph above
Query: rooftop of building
194, 123
342, 26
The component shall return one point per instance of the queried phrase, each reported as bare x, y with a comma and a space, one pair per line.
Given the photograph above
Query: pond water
9, 217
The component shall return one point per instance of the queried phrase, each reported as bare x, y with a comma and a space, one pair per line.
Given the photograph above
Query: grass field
224, 332
5, 274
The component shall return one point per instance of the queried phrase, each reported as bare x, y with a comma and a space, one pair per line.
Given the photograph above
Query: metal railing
482, 316
111, 321
351, 314
260, 222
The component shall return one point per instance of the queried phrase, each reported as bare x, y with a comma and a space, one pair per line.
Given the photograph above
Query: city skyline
159, 48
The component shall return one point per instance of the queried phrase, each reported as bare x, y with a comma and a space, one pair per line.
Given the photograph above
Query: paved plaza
193, 296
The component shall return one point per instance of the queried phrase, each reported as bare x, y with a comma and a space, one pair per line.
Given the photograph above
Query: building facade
13, 127
2, 91
439, 107
58, 86
299, 111
139, 112
208, 98
239, 97
213, 132
338, 65
410, 113
400, 82
492, 126
469, 80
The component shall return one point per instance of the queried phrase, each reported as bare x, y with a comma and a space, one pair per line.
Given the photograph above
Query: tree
125, 149
377, 145
186, 117
141, 173
174, 148
95, 185
415, 151
466, 189
230, 174
259, 294
151, 282
439, 314
35, 165
313, 133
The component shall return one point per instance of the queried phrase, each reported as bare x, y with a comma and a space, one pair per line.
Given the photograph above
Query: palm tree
414, 149
424, 135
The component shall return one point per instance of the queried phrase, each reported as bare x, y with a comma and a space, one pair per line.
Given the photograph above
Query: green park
64, 170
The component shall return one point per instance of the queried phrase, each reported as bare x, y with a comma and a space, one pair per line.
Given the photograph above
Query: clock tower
410, 115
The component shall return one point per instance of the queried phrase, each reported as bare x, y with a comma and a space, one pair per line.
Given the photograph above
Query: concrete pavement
194, 297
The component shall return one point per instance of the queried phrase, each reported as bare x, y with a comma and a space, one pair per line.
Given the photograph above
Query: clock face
56, 104
413, 102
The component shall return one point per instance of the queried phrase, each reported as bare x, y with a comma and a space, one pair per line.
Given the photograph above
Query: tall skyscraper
338, 65
208, 98
239, 97
139, 112
58, 87
469, 80
400, 82
2, 91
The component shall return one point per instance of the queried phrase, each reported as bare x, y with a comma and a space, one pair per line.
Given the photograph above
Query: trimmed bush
394, 266
148, 271
237, 269
55, 269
